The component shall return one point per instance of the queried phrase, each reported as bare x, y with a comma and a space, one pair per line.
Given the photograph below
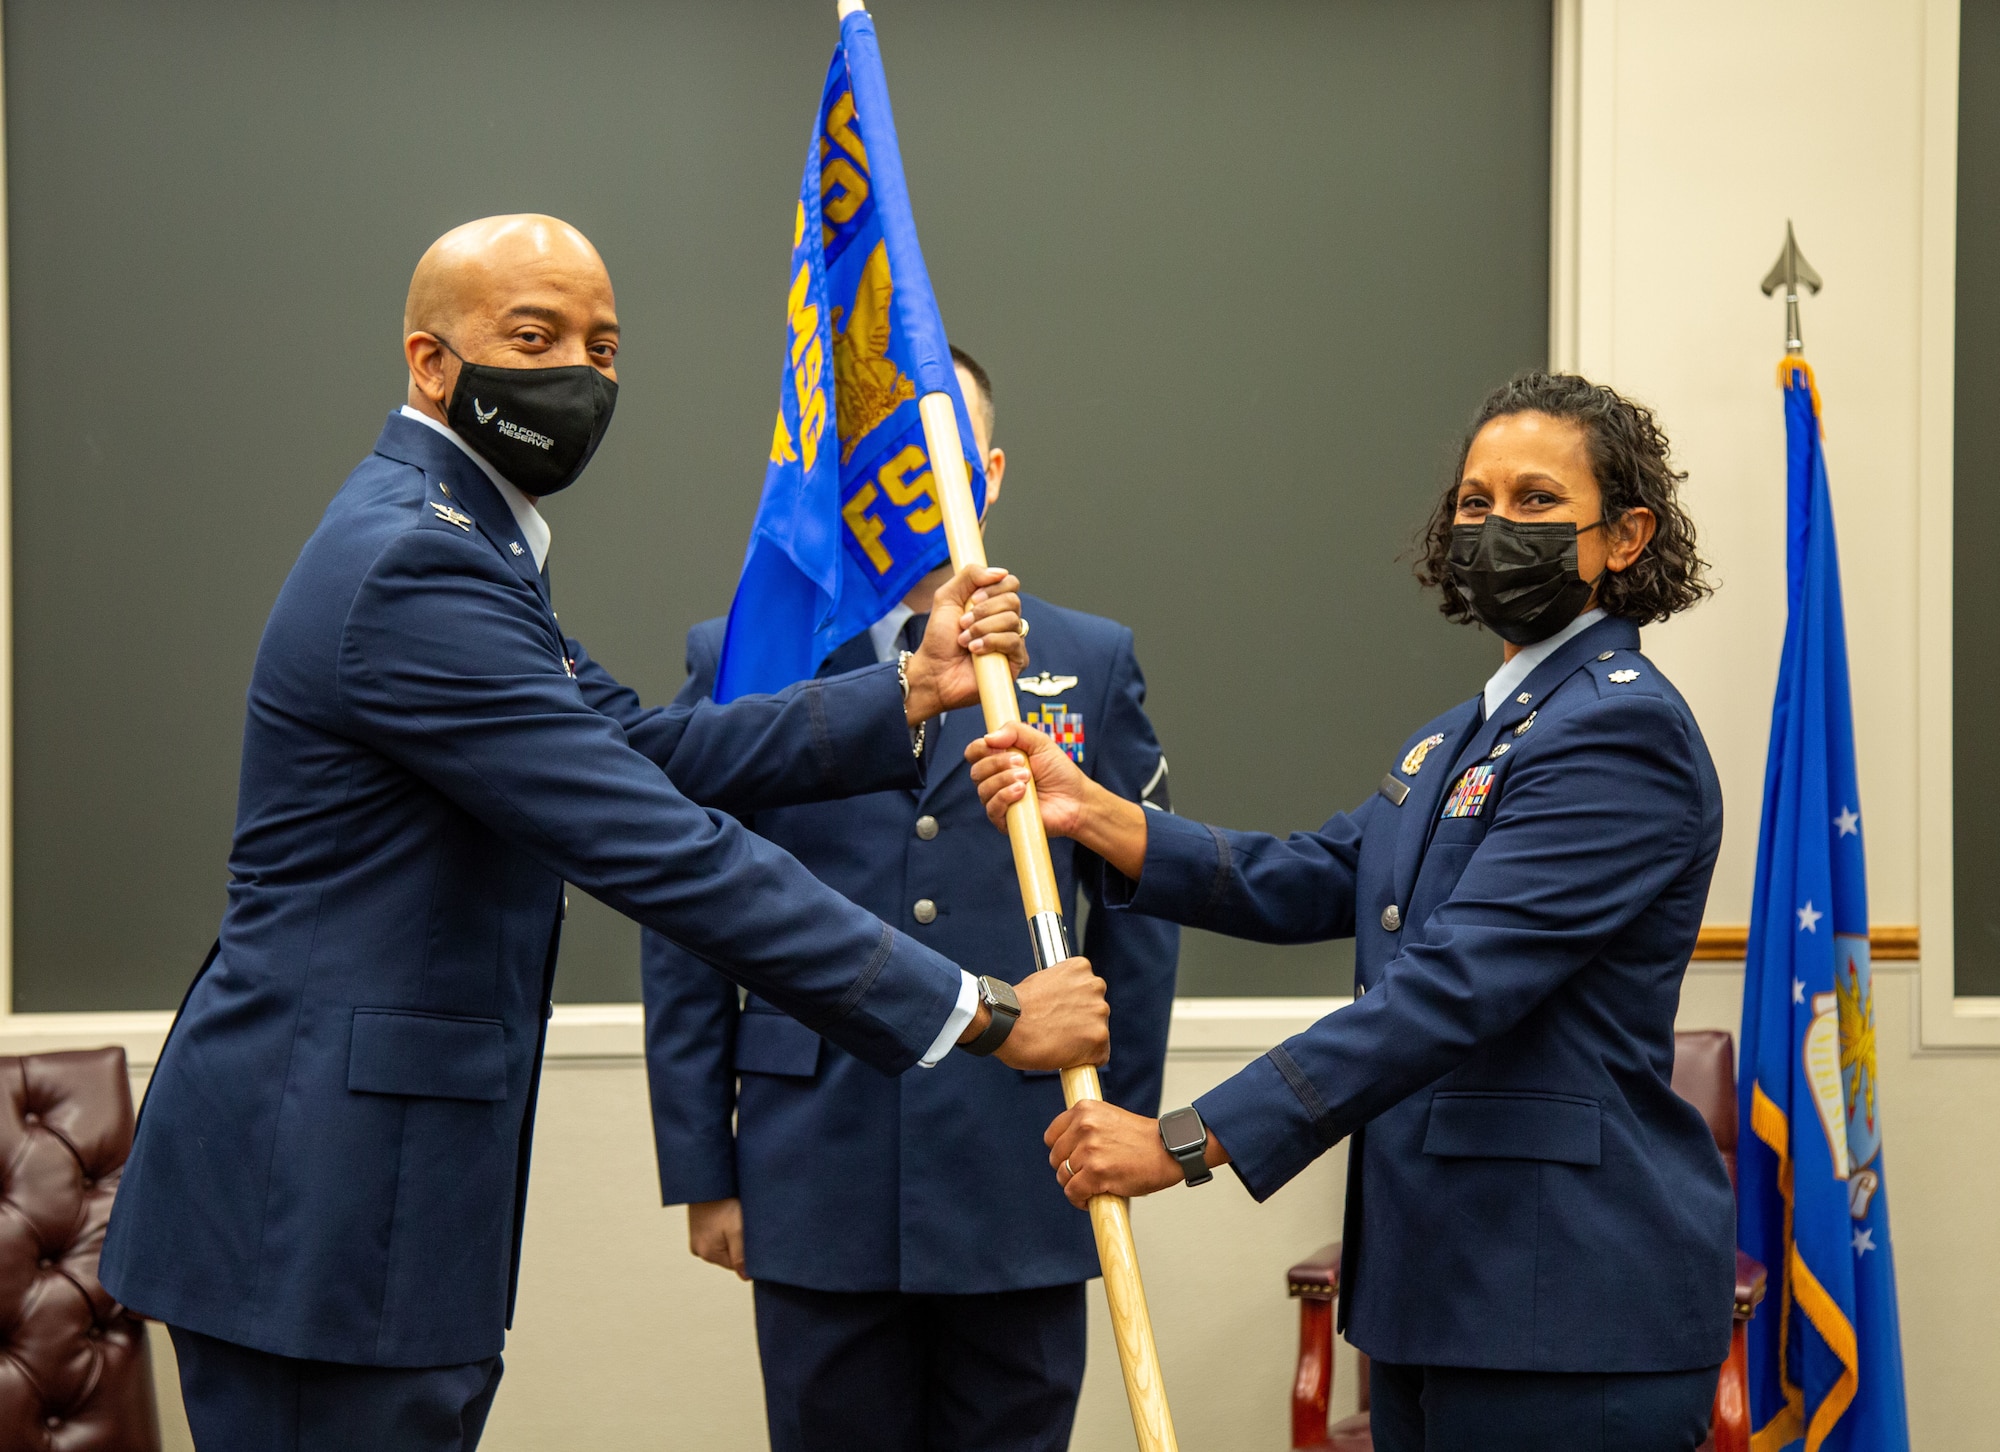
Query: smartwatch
1186, 1139
998, 995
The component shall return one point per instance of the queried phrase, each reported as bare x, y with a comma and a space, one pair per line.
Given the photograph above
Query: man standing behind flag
920, 1284
1826, 1363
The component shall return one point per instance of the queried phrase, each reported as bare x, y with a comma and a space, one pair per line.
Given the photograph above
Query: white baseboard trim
1243, 1027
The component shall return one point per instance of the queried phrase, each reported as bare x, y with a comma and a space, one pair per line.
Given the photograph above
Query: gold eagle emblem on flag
867, 385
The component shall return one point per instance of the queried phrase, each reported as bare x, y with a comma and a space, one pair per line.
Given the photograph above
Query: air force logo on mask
485, 415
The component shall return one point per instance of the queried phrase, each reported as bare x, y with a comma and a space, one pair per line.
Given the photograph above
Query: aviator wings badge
1046, 684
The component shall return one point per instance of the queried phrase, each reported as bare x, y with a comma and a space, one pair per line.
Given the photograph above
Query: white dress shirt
1505, 681
536, 534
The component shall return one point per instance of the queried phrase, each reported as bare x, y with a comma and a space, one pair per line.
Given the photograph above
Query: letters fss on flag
849, 365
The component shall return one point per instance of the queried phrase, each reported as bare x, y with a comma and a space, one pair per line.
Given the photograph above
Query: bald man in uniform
325, 1195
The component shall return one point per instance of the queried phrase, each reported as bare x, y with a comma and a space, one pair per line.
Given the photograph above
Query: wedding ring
1024, 630
1068, 1173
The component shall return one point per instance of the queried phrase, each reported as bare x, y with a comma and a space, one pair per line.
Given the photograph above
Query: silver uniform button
1392, 918
927, 827
925, 911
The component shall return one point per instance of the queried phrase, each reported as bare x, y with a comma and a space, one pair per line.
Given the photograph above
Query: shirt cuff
961, 1015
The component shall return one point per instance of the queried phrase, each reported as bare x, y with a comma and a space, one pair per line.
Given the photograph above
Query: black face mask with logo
537, 426
1520, 580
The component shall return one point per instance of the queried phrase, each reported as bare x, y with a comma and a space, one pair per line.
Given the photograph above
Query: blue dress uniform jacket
936, 1182
332, 1159
1525, 1189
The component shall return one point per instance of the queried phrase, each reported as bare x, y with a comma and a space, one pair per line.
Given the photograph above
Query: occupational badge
1046, 684
1414, 762
1468, 796
1061, 725
452, 516
1522, 729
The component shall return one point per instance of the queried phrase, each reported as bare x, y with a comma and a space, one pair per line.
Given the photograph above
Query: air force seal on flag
1854, 1009
1061, 725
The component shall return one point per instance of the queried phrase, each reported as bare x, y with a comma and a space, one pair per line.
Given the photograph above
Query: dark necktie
913, 631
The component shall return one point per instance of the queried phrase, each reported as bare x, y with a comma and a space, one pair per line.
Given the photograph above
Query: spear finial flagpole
1791, 271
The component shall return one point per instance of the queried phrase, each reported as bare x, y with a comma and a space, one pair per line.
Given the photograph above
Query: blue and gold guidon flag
849, 519
1812, 1203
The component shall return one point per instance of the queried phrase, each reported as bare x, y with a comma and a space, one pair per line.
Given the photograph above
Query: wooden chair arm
1317, 1277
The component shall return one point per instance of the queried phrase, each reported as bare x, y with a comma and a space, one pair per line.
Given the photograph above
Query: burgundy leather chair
76, 1374
1705, 1076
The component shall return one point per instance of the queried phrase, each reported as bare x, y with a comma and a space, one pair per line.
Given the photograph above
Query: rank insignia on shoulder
1046, 684
452, 516
1468, 796
1414, 762
1061, 725
1522, 729
1623, 678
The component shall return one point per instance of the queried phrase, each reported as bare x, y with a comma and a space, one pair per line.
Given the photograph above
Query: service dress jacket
1525, 1190
332, 1158
937, 1181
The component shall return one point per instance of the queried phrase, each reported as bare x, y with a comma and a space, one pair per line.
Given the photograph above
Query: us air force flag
849, 519
1826, 1363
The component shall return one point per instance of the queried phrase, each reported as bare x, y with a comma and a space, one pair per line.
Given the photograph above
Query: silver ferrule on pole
1051, 939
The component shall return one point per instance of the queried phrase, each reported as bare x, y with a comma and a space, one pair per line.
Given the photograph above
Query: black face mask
1520, 579
537, 426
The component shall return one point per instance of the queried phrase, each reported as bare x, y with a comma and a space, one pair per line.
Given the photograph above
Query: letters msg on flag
849, 519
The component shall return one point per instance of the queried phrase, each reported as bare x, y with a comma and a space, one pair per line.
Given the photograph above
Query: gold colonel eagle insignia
867, 385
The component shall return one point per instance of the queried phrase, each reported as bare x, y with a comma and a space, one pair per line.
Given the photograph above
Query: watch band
917, 731
999, 997
1186, 1139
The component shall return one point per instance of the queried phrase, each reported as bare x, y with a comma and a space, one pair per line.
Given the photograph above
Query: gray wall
1239, 272
1976, 475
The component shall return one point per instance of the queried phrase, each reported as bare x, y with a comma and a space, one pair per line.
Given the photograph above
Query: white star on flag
1798, 990
1849, 822
1864, 1241
1807, 917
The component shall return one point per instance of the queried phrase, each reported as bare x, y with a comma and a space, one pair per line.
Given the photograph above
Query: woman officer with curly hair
1539, 1246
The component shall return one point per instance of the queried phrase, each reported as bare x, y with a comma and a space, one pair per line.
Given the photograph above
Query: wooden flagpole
1110, 1216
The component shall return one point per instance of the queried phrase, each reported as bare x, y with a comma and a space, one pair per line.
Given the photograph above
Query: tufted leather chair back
75, 1371
1705, 1076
